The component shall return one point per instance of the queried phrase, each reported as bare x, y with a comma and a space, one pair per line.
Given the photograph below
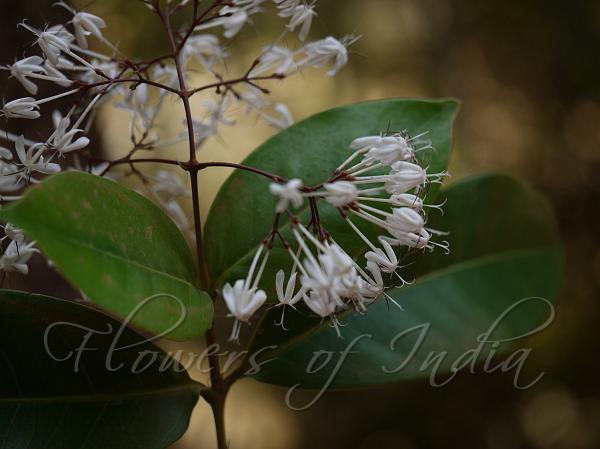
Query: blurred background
526, 72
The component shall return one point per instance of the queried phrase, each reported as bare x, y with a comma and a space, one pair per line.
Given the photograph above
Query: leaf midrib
61, 237
52, 230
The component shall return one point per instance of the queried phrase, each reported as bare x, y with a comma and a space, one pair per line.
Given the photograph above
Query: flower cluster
17, 252
381, 183
77, 58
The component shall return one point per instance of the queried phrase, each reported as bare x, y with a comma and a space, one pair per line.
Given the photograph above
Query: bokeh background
527, 74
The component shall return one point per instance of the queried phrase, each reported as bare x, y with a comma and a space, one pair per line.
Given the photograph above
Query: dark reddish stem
258, 171
242, 79
217, 400
194, 166
138, 80
198, 19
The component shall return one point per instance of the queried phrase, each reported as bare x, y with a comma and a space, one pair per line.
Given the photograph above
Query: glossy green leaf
243, 212
74, 378
504, 267
119, 248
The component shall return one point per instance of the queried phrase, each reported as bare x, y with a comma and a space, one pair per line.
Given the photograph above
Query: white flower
405, 219
202, 130
169, 183
287, 296
141, 95
208, 127
284, 120
52, 41
242, 301
216, 116
321, 305
364, 143
289, 192
32, 160
250, 5
390, 151
254, 98
411, 239
217, 111
5, 153
86, 24
56, 75
16, 256
301, 15
404, 177
257, 102
177, 214
244, 298
232, 19
65, 64
407, 200
341, 193
284, 4
26, 108
62, 140
234, 23
287, 119
167, 75
329, 273
323, 51
277, 59
286, 7
13, 233
204, 48
26, 67
330, 279
379, 260
10, 181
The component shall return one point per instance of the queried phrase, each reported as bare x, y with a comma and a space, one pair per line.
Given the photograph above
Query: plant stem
243, 79
191, 165
217, 403
138, 80
202, 268
258, 171
217, 399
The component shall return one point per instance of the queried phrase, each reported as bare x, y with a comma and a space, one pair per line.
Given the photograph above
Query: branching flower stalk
381, 183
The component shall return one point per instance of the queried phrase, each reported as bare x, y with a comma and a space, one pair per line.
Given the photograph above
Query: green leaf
74, 378
243, 212
119, 248
504, 251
